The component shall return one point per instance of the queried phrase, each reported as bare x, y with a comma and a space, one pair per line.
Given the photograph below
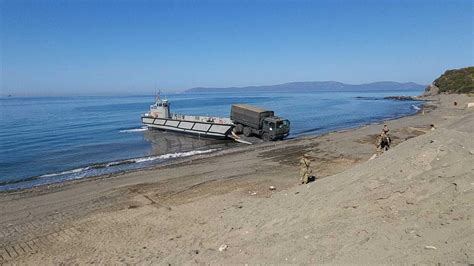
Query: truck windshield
282, 124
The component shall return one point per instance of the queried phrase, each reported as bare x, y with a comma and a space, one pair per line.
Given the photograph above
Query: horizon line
145, 93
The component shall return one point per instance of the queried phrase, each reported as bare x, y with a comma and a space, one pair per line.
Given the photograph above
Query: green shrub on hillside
456, 81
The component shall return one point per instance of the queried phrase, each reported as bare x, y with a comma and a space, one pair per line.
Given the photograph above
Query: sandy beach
412, 204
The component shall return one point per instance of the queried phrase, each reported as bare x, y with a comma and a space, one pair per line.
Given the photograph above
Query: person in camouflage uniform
383, 140
305, 169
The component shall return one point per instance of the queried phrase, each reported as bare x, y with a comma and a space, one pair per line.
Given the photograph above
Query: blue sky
131, 47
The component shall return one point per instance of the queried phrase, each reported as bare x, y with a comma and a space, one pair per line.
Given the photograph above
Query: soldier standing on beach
383, 140
305, 169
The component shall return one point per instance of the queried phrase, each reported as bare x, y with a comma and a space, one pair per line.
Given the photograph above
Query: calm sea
48, 140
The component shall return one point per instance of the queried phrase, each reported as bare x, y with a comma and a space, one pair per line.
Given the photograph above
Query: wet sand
412, 204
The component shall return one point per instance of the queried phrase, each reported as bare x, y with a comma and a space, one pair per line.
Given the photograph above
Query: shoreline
178, 161
184, 211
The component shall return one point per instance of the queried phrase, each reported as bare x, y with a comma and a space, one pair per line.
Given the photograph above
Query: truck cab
251, 120
275, 128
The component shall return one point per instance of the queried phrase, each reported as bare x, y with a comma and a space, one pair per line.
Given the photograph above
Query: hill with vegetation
456, 81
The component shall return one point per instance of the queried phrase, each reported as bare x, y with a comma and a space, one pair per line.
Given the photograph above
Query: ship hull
201, 129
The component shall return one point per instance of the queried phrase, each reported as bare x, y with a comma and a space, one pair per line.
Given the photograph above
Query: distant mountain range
316, 86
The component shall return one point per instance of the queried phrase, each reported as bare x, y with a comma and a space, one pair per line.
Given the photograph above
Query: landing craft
246, 119
160, 117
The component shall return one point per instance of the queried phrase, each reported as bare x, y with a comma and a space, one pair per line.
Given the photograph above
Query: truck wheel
266, 137
247, 132
238, 129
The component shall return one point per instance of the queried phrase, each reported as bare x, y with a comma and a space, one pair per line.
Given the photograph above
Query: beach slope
412, 204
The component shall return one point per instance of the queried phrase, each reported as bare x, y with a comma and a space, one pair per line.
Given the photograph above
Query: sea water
46, 140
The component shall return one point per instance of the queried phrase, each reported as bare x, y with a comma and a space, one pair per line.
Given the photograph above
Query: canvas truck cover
249, 115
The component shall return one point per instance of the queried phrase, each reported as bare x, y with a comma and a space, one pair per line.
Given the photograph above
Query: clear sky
131, 47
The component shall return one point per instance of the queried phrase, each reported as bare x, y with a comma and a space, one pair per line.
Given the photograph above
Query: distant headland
310, 86
453, 81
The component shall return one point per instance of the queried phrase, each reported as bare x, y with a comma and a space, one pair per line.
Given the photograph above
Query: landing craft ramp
200, 128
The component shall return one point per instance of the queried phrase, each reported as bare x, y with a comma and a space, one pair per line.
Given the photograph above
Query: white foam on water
416, 107
73, 171
118, 163
172, 155
134, 130
101, 168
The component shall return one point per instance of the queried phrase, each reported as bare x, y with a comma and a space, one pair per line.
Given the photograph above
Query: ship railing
200, 118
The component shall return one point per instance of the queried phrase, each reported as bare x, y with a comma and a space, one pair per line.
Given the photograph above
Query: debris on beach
431, 247
223, 247
272, 188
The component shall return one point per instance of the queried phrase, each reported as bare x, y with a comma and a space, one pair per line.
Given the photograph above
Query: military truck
251, 120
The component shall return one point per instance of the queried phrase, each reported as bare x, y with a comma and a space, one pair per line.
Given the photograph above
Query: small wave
416, 107
119, 163
172, 155
73, 171
310, 130
133, 130
129, 161
97, 169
